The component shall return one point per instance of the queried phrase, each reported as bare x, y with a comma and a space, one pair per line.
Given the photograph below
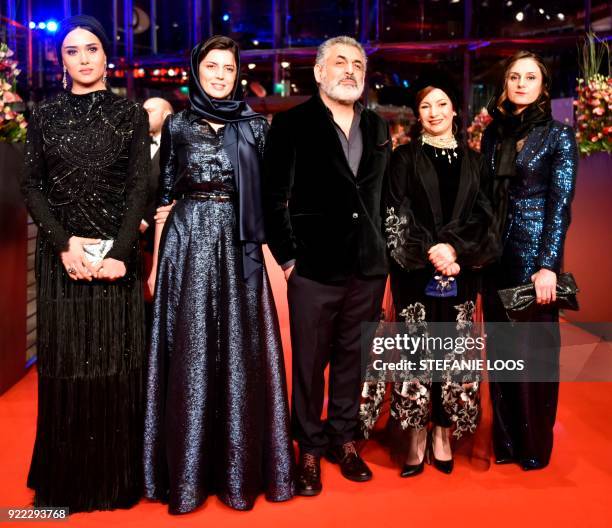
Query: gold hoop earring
65, 79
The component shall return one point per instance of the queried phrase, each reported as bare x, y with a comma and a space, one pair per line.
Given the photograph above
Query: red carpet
573, 491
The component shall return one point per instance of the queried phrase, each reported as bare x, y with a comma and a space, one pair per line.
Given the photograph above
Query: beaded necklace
447, 144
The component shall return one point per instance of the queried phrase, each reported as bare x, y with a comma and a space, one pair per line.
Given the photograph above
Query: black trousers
524, 413
325, 324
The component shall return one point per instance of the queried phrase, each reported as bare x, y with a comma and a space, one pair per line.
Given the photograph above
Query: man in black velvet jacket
324, 166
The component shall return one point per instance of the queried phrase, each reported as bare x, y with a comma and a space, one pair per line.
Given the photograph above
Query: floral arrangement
594, 103
475, 130
12, 123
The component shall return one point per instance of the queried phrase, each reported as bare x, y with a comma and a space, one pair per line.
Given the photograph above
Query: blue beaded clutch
441, 286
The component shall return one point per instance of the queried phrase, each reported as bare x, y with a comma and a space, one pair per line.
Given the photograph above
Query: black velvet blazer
414, 212
316, 211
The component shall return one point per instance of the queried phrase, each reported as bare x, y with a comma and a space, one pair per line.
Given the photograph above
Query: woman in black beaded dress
437, 228
217, 419
87, 157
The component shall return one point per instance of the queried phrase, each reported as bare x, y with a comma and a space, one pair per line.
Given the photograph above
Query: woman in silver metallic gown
532, 162
216, 419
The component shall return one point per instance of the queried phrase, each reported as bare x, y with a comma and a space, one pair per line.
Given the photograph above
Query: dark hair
418, 99
543, 101
220, 42
421, 94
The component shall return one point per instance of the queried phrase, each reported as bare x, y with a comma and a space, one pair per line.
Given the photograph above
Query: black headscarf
84, 22
509, 129
436, 79
239, 144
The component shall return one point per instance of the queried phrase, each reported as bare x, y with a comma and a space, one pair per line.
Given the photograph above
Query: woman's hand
288, 272
162, 212
111, 269
452, 270
151, 281
442, 256
545, 282
160, 219
74, 260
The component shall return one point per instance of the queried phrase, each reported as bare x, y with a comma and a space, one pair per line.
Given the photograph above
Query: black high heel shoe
445, 466
412, 470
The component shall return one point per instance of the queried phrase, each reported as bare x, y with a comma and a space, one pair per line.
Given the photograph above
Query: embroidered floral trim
461, 403
395, 228
414, 315
373, 394
465, 314
410, 404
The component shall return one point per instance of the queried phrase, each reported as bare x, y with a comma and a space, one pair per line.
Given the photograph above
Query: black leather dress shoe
352, 466
308, 478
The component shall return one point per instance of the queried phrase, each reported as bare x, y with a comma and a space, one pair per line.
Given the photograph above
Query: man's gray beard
330, 92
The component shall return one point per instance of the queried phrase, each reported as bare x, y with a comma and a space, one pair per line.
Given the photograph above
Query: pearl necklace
447, 144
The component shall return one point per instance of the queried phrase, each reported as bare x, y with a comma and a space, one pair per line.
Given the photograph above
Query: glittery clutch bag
517, 301
95, 253
441, 286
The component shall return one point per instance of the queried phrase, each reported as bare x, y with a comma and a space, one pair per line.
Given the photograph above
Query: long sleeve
473, 237
167, 164
136, 188
260, 128
558, 203
279, 160
407, 240
33, 182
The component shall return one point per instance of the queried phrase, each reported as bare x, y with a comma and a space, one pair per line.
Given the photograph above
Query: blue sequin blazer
538, 201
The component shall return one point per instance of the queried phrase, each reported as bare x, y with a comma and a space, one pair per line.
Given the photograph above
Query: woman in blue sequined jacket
532, 162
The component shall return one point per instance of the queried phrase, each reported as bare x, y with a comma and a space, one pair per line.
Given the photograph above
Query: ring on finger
71, 270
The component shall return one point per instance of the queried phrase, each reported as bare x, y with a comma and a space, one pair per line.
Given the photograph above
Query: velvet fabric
305, 174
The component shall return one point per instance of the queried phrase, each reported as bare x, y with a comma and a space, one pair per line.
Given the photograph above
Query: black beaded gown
87, 159
217, 419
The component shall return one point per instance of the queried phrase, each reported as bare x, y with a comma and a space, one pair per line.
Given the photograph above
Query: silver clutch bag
95, 253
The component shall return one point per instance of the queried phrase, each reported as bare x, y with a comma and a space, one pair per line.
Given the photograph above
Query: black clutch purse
519, 300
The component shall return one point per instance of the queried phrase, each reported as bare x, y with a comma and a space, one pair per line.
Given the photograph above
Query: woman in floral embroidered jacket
438, 225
